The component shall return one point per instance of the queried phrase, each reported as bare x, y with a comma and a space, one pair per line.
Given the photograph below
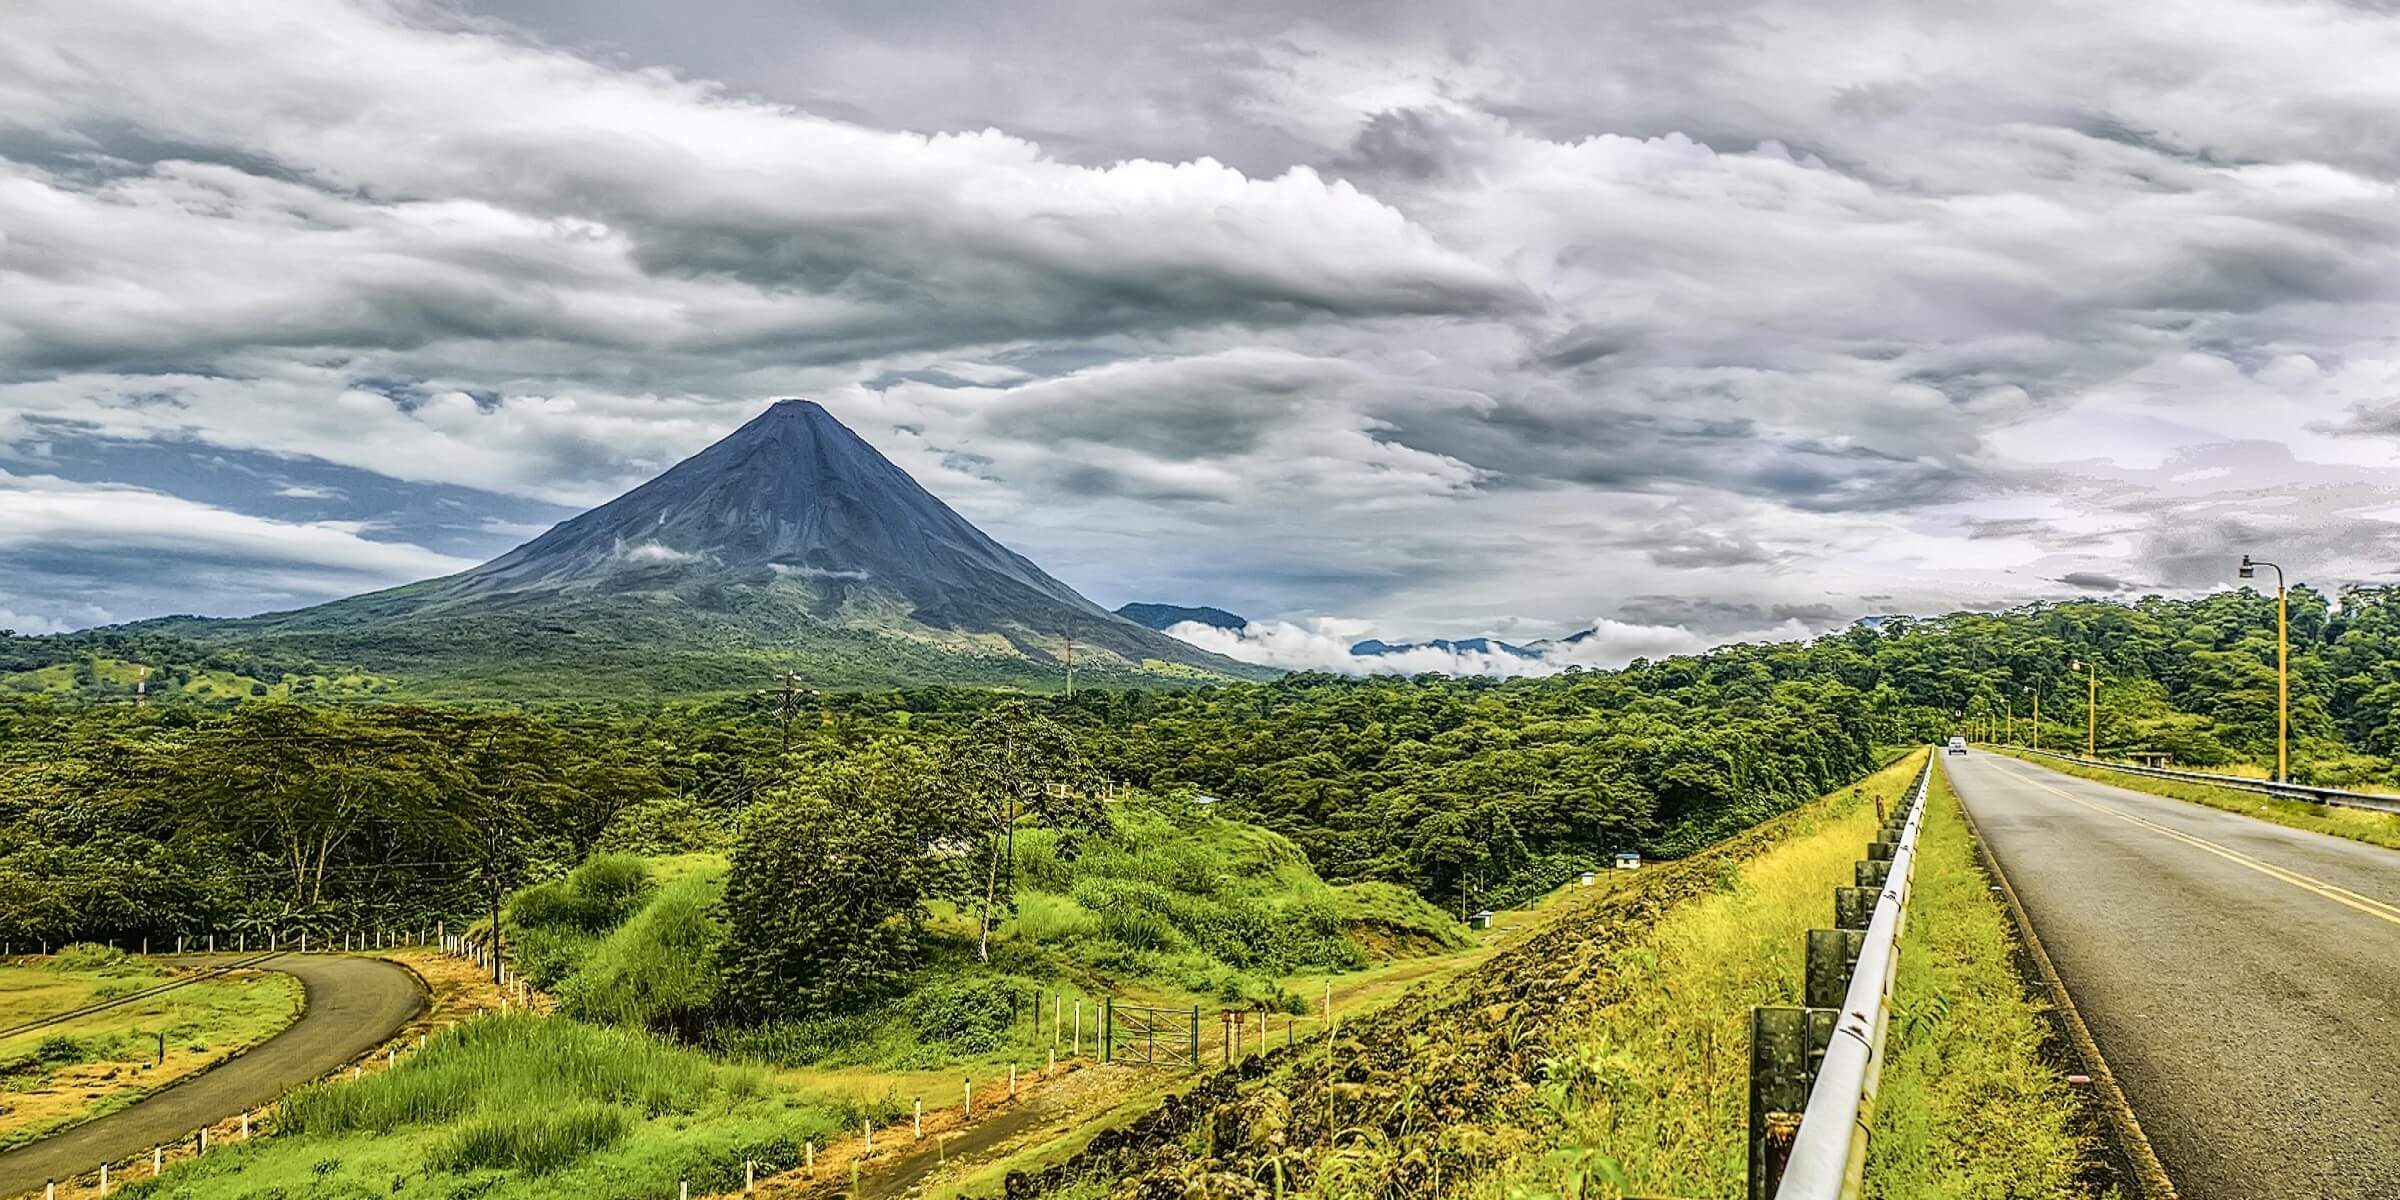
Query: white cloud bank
1323, 644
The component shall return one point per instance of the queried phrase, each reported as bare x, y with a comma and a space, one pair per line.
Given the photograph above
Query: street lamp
2283, 670
2036, 693
2091, 706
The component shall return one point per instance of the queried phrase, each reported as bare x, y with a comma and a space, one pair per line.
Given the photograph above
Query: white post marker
870, 1124
967, 1107
157, 1160
203, 1141
749, 1177
1075, 1049
1012, 1080
917, 1123
103, 1179
808, 1152
245, 1124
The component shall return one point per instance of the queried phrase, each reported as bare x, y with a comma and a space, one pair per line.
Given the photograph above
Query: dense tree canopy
125, 820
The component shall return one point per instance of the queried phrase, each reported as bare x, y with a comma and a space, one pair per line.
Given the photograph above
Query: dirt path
354, 1004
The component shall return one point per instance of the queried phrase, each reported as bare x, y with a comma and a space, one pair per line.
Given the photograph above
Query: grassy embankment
2357, 824
1969, 1108
1175, 906
1647, 1096
517, 1106
73, 1072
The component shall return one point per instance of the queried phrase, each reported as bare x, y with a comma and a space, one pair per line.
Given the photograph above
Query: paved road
353, 1005
2242, 978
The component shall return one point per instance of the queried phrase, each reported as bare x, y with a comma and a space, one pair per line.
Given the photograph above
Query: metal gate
1150, 1037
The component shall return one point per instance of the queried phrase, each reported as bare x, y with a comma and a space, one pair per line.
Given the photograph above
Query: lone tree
825, 904
1011, 764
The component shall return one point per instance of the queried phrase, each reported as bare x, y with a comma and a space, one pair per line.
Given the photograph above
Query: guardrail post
1882, 851
1854, 907
1786, 1044
1832, 954
1872, 873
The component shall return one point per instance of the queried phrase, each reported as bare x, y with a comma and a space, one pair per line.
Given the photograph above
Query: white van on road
1958, 745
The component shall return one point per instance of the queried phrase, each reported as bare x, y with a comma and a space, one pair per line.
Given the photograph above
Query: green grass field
517, 1106
89, 1067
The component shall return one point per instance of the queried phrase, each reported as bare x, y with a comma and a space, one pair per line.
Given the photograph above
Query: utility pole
787, 702
2036, 689
497, 837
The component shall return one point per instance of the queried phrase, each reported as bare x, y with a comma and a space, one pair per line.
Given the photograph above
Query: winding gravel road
2241, 978
353, 1005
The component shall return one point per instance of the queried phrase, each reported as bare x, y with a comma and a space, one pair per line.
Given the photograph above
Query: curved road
2242, 978
354, 1004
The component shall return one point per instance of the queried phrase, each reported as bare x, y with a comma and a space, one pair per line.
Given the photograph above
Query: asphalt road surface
353, 1005
2241, 978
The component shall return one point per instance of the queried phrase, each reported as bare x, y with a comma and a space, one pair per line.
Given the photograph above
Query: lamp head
2249, 569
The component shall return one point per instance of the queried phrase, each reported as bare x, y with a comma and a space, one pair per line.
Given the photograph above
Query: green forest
329, 807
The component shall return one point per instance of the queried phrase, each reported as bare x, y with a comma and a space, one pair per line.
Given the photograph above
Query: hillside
790, 544
1171, 904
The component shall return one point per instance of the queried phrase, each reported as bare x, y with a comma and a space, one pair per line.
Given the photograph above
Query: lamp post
2036, 692
2091, 707
2283, 669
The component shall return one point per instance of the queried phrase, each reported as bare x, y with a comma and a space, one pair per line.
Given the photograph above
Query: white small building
1481, 920
1627, 860
1587, 878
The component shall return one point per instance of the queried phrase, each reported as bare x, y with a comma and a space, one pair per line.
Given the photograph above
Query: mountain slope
790, 543
1168, 616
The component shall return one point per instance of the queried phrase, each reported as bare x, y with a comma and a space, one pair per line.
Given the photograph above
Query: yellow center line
2307, 883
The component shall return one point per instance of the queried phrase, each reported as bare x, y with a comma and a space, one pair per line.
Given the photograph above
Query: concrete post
808, 1155
245, 1125
870, 1124
157, 1161
1076, 1047
1012, 1081
966, 1107
104, 1179
201, 1144
918, 1122
749, 1177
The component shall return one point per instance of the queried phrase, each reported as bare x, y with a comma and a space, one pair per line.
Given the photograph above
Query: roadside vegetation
1971, 1105
2357, 824
514, 1105
77, 1070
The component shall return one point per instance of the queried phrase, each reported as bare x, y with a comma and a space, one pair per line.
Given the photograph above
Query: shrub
86, 956
536, 1142
655, 970
972, 1016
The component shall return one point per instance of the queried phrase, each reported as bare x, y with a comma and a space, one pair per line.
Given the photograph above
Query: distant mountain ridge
789, 543
1376, 648
1167, 616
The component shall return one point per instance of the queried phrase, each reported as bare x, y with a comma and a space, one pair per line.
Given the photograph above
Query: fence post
1195, 1037
157, 1160
918, 1122
245, 1124
749, 1176
1108, 1029
966, 1107
1075, 1048
1012, 1081
104, 1179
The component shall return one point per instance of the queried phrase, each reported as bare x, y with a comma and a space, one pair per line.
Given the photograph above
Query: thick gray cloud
1677, 321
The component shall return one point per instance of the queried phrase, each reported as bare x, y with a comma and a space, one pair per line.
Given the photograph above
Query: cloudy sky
1685, 319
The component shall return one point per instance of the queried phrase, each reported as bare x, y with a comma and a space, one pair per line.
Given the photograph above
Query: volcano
789, 544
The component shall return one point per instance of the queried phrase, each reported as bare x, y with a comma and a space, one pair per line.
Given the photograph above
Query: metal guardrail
1829, 1153
2265, 787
